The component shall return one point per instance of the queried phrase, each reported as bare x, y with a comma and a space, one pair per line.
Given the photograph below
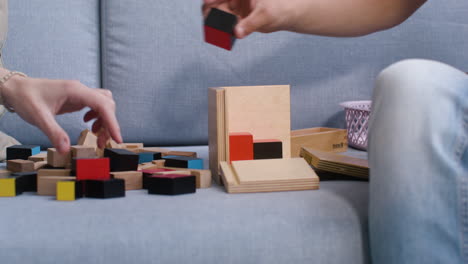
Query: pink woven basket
357, 122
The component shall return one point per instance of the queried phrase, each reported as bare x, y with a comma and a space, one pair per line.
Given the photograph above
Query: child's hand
38, 101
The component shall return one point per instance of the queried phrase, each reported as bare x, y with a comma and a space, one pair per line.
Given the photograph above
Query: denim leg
418, 209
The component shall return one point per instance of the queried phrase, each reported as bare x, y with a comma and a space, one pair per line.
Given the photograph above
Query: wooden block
203, 177
159, 163
47, 185
181, 172
122, 159
8, 187
263, 111
336, 163
57, 160
319, 138
268, 175
4, 173
104, 189
163, 151
83, 152
92, 169
39, 157
39, 165
171, 184
145, 166
87, 138
267, 149
22, 151
20, 165
53, 172
149, 156
132, 145
240, 146
112, 144
133, 179
183, 162
26, 181
181, 153
69, 190
219, 28
148, 173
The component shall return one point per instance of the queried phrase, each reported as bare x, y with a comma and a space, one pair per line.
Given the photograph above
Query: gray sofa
151, 54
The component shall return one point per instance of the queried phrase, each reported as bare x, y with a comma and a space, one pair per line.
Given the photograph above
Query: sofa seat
321, 226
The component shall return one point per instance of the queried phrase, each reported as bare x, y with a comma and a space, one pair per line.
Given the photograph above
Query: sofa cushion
52, 39
211, 226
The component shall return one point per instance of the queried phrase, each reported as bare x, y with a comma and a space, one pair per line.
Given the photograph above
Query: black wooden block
105, 188
122, 159
22, 151
26, 181
171, 184
268, 149
220, 20
183, 162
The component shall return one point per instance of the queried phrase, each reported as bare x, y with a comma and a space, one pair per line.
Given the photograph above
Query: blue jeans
418, 160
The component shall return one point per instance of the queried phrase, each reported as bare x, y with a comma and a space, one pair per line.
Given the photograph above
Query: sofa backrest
151, 54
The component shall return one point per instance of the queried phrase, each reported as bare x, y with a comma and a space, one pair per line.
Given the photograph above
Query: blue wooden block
183, 162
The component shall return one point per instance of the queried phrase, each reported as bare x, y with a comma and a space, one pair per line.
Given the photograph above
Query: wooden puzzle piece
22, 151
240, 146
203, 177
219, 28
104, 189
53, 172
122, 159
47, 185
171, 184
267, 149
57, 160
27, 181
183, 162
149, 156
69, 190
20, 165
336, 163
163, 151
39, 165
92, 169
42, 156
133, 146
4, 173
83, 152
182, 153
133, 179
319, 138
9, 188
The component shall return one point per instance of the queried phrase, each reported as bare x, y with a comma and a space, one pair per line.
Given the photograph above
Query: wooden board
216, 131
320, 138
336, 163
268, 176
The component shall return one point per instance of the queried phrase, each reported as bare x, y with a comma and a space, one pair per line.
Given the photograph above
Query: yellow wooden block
8, 187
66, 191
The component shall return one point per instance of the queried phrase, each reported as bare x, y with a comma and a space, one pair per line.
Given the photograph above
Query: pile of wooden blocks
87, 171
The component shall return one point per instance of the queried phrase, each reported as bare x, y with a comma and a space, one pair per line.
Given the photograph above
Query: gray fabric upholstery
210, 226
53, 39
157, 64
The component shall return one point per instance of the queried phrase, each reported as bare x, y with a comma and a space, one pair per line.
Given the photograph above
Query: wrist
8, 89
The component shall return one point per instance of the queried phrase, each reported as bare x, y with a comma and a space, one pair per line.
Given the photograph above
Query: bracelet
3, 80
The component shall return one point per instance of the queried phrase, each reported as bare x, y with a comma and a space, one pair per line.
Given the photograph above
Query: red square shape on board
218, 38
240, 146
92, 169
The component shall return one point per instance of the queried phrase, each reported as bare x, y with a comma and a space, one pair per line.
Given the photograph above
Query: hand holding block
219, 28
20, 165
92, 169
22, 151
57, 160
171, 184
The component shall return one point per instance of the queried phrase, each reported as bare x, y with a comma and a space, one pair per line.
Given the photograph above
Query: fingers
54, 132
255, 21
90, 115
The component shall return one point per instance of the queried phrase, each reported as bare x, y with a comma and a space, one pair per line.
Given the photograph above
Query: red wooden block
92, 169
240, 146
219, 38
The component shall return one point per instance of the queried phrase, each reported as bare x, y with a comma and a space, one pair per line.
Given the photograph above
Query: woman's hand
38, 101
